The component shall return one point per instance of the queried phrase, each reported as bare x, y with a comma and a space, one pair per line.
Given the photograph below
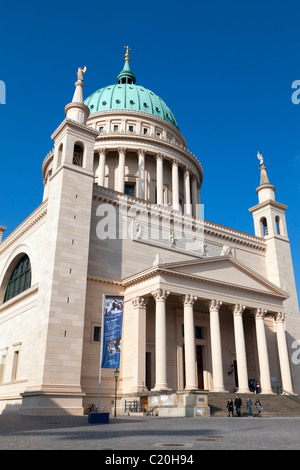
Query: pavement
153, 435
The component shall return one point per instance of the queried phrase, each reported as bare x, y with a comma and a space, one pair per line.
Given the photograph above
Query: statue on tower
260, 158
80, 73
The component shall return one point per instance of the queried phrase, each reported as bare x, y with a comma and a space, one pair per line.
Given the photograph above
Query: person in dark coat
229, 406
259, 407
238, 405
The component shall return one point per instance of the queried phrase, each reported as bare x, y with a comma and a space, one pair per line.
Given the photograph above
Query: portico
238, 324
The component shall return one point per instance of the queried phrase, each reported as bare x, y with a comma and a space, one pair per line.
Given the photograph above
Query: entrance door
200, 368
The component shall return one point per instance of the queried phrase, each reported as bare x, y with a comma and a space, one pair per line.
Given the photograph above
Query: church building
205, 308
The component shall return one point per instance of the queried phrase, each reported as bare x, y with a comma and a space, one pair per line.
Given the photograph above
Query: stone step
273, 405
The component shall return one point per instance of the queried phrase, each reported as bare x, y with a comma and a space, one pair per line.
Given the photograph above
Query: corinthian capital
141, 152
280, 317
189, 299
139, 302
214, 304
160, 294
238, 309
260, 313
122, 150
102, 151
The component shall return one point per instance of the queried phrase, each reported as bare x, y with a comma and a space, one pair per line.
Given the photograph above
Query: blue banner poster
112, 333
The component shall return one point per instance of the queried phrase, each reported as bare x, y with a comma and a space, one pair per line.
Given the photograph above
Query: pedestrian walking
249, 407
229, 406
238, 405
259, 407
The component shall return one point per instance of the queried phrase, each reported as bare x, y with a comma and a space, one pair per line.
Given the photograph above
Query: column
121, 170
175, 185
101, 167
187, 192
139, 345
160, 179
160, 296
189, 343
285, 369
196, 206
141, 173
265, 379
216, 348
240, 348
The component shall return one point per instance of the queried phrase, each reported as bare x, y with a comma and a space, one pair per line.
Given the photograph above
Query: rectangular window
129, 189
199, 332
130, 128
15, 366
145, 130
101, 130
96, 336
2, 367
116, 128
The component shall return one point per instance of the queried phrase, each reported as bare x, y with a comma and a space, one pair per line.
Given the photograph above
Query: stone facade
206, 307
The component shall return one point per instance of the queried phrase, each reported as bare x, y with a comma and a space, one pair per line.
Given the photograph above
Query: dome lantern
126, 76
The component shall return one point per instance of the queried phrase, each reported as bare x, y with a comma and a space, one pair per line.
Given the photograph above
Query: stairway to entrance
273, 405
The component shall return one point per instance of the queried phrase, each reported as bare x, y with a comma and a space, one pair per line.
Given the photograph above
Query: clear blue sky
224, 68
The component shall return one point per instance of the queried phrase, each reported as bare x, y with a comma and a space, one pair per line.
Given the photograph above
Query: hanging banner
112, 331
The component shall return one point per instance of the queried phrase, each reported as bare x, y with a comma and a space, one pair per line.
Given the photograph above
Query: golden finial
127, 53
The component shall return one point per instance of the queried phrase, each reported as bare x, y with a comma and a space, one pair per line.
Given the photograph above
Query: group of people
237, 404
254, 386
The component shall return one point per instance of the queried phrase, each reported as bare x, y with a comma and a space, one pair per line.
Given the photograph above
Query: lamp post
116, 374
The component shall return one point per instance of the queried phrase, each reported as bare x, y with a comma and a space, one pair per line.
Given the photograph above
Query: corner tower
54, 386
270, 224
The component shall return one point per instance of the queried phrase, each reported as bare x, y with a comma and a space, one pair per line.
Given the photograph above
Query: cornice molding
270, 202
29, 222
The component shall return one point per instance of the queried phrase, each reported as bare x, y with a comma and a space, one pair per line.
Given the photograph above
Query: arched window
59, 155
20, 280
78, 155
264, 227
277, 221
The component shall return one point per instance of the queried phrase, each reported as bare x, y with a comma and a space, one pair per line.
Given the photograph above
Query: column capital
189, 299
237, 309
122, 150
141, 152
175, 162
260, 313
214, 304
160, 156
280, 317
139, 302
160, 294
102, 151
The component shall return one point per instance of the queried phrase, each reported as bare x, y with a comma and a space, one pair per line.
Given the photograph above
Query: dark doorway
148, 370
236, 380
200, 368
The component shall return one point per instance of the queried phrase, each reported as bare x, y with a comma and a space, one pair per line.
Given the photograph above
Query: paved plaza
155, 434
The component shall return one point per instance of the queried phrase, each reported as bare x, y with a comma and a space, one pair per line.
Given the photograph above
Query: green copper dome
127, 95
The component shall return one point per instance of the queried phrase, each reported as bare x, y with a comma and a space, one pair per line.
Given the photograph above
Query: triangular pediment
226, 270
